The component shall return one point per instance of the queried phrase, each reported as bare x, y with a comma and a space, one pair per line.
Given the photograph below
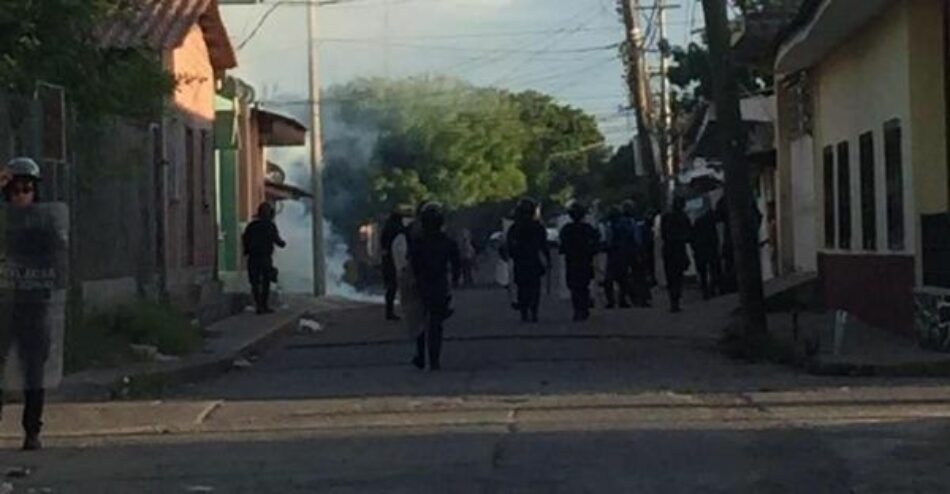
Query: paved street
633, 401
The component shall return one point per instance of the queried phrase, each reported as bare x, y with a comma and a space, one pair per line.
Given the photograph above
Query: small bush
103, 338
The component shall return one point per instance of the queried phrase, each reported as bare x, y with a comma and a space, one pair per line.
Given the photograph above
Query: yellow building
862, 152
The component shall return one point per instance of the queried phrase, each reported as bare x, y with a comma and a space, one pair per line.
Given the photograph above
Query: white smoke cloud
296, 261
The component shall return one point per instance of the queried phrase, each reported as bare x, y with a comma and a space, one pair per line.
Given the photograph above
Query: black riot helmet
577, 210
629, 208
526, 208
432, 217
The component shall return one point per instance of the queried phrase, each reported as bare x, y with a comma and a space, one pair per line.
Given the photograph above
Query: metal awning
284, 192
279, 130
827, 25
754, 43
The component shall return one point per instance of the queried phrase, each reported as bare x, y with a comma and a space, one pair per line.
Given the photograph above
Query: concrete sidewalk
240, 336
864, 350
189, 420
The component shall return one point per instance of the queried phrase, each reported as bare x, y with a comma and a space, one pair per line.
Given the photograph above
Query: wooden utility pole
316, 154
666, 115
738, 179
638, 86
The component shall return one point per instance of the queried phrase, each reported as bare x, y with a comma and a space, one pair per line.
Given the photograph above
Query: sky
565, 48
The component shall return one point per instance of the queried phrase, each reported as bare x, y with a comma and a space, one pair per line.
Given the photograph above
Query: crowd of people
421, 262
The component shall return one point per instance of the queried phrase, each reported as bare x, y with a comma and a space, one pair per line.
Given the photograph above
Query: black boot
33, 401
435, 347
420, 360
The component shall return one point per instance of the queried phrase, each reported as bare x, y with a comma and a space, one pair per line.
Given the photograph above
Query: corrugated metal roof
163, 25
279, 130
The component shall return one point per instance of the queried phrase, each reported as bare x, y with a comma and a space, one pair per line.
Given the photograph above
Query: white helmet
23, 167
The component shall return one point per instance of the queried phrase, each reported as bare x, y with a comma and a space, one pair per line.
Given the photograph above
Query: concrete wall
191, 64
191, 188
926, 56
115, 214
877, 289
858, 87
806, 209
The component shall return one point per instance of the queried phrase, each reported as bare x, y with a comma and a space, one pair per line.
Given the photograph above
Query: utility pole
738, 179
665, 123
316, 153
666, 118
638, 88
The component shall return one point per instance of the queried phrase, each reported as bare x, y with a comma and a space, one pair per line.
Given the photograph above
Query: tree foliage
54, 41
399, 142
691, 75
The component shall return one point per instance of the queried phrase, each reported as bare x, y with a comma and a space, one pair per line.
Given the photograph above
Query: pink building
194, 46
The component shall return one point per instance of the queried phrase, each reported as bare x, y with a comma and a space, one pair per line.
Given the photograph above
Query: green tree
562, 146
435, 138
54, 41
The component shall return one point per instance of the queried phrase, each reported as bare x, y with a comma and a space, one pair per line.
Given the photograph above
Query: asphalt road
634, 401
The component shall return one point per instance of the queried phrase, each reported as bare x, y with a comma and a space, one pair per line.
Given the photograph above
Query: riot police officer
579, 244
27, 307
433, 256
527, 244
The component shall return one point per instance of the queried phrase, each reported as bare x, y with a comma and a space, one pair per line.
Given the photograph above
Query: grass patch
102, 339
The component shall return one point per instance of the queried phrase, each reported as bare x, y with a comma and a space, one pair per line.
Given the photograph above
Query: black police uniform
432, 254
260, 237
527, 245
579, 244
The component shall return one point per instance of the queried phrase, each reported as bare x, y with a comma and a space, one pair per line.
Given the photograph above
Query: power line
273, 7
558, 73
561, 34
486, 34
586, 49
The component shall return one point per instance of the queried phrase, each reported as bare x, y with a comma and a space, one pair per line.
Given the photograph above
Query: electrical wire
564, 33
275, 5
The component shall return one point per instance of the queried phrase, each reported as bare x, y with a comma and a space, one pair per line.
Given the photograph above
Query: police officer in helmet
27, 312
433, 257
579, 244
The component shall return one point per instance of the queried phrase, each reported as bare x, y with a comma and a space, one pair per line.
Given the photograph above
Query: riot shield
34, 264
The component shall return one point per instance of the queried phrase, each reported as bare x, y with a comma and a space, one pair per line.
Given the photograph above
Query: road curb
145, 379
937, 368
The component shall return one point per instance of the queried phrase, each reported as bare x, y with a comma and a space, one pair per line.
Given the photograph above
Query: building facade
862, 149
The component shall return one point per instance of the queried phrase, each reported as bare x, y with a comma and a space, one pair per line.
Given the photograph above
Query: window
829, 188
176, 162
206, 167
894, 175
844, 196
190, 195
868, 202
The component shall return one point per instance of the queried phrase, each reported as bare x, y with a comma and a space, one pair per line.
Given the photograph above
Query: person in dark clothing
706, 247
432, 255
649, 244
675, 228
729, 277
392, 229
25, 309
260, 237
633, 243
728, 282
579, 243
527, 244
620, 236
